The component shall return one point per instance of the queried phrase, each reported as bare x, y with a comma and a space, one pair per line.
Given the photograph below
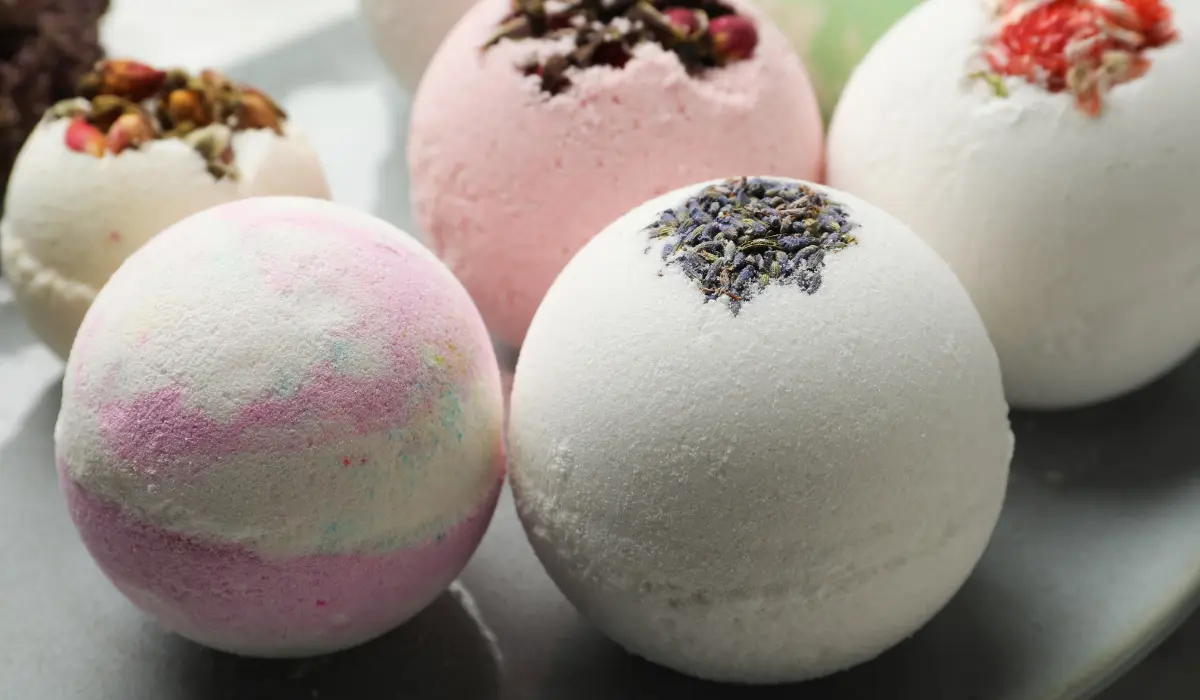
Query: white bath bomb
72, 216
407, 32
758, 479
1059, 200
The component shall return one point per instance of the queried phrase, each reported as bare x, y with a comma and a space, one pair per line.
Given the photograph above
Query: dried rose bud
611, 53
257, 111
106, 109
734, 37
89, 85
187, 106
129, 79
176, 79
131, 130
85, 138
553, 74
214, 142
684, 20
215, 79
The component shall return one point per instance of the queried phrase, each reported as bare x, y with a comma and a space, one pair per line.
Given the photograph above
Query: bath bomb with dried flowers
832, 36
1043, 149
794, 444
282, 428
537, 125
407, 32
135, 151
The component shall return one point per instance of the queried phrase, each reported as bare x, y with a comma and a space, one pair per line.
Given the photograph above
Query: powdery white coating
509, 184
1074, 235
281, 429
762, 498
407, 32
70, 219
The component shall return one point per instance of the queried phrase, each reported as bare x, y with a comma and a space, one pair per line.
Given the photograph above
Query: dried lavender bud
605, 33
770, 254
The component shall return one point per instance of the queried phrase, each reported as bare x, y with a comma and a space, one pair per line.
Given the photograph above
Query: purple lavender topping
737, 237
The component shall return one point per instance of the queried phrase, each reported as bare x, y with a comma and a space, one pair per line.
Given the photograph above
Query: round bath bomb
525, 144
105, 171
281, 429
407, 32
795, 443
1039, 147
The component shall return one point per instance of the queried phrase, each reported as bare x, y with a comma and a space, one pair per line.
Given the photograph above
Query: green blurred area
832, 36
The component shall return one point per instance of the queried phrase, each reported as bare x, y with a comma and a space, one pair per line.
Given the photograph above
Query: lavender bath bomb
758, 432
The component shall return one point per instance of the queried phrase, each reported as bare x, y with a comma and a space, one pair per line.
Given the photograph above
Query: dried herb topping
702, 33
122, 105
1085, 47
737, 237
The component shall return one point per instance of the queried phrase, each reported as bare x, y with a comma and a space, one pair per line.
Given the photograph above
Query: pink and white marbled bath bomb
281, 430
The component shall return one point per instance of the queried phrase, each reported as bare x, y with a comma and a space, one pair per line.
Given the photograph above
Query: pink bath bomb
281, 428
510, 178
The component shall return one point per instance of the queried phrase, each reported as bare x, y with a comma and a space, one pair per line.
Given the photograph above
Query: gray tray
1096, 559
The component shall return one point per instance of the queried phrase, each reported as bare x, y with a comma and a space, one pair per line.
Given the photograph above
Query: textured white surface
407, 32
766, 497
1075, 236
70, 220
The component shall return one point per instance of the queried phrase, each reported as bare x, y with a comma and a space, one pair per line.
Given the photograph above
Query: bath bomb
521, 149
832, 36
1039, 148
794, 444
135, 151
282, 427
407, 32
